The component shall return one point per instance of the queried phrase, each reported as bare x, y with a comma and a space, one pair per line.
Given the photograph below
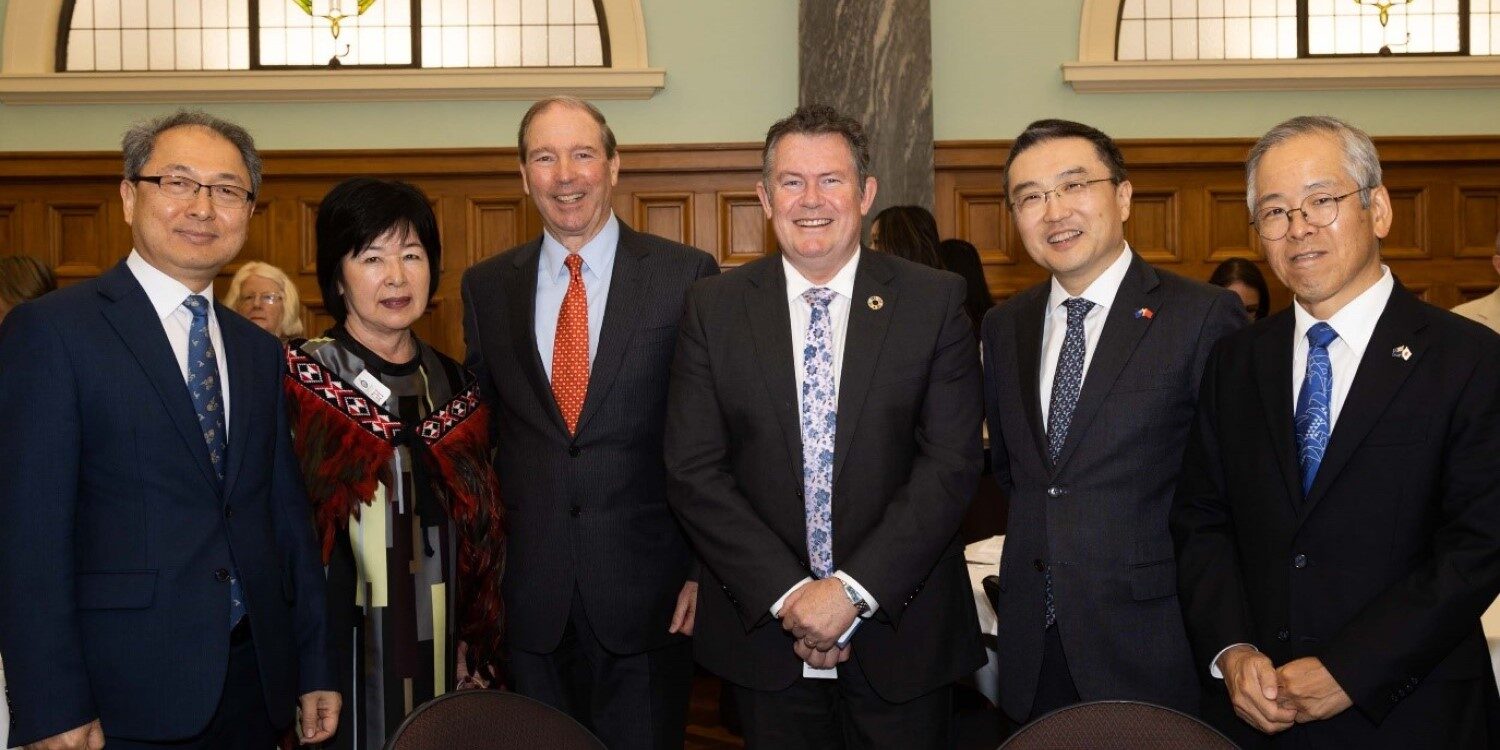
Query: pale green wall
731, 71
997, 66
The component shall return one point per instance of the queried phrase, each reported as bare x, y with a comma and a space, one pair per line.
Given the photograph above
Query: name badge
371, 386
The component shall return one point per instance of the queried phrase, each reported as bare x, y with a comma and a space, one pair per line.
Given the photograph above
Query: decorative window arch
285, 50
1221, 45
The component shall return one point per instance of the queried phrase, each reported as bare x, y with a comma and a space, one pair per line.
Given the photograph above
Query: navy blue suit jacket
114, 532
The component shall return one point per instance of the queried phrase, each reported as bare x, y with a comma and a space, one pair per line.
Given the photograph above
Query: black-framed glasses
265, 298
177, 186
1318, 210
1034, 201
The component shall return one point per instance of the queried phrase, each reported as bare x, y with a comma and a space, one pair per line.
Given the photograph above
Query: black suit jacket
1099, 517
588, 511
115, 535
1383, 570
907, 460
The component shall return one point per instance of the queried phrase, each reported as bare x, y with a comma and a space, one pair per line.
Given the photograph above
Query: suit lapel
1122, 332
770, 328
1029, 358
520, 290
1272, 353
863, 341
242, 371
629, 288
1375, 383
137, 324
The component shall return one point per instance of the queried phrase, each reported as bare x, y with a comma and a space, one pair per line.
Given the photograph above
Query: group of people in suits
1289, 529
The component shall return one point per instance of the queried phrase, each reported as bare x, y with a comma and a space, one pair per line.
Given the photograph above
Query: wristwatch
860, 605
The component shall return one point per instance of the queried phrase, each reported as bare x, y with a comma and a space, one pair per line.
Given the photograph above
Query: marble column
872, 60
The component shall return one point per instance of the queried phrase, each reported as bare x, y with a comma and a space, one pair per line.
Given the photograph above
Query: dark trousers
843, 713
1054, 687
241, 722
628, 700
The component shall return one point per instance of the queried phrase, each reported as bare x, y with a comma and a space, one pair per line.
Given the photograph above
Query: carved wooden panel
984, 219
1153, 227
744, 232
307, 236
1477, 221
10, 226
1408, 237
77, 232
496, 223
1228, 226
258, 239
668, 215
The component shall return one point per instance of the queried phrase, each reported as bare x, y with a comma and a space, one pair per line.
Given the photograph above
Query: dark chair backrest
1119, 725
490, 720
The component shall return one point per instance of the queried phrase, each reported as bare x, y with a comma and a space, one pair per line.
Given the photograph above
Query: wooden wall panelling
10, 229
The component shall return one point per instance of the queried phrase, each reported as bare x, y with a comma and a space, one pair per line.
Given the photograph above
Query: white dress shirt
552, 280
1055, 323
167, 295
842, 285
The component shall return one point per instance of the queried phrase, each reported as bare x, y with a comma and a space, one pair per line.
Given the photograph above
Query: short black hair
354, 214
1247, 273
909, 232
1041, 131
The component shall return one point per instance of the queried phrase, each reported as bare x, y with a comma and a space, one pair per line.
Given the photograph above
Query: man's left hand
1309, 688
818, 613
687, 609
320, 715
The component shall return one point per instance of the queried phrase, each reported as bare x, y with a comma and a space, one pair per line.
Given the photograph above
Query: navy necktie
208, 401
1314, 417
1067, 381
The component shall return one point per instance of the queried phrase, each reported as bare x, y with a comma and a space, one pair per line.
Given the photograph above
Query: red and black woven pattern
312, 375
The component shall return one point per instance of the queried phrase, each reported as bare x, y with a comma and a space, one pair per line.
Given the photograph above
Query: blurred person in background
962, 258
908, 232
1244, 279
266, 295
22, 278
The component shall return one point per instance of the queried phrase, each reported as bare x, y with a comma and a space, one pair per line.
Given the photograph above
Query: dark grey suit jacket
906, 463
1098, 518
588, 511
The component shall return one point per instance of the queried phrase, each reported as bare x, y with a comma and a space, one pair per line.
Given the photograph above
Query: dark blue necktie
1067, 381
1314, 417
208, 401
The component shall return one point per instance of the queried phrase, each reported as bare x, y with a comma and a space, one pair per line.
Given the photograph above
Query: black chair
490, 720
1119, 725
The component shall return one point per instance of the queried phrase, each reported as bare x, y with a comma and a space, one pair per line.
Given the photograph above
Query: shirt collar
842, 282
598, 253
166, 293
1102, 292
1355, 321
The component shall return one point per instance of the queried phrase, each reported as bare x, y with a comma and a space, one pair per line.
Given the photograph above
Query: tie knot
574, 262
1077, 308
1321, 335
197, 305
819, 296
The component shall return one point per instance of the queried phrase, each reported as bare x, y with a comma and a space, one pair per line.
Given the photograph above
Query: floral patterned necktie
819, 420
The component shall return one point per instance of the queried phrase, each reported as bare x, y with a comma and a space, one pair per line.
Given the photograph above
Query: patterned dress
407, 581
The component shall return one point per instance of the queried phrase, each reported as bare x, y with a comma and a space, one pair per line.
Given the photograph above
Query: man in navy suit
159, 583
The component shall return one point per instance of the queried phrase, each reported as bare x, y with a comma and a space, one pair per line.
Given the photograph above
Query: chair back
1119, 725
490, 720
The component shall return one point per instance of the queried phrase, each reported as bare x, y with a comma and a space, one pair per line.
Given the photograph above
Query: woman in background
22, 278
264, 294
962, 258
394, 447
1243, 278
907, 231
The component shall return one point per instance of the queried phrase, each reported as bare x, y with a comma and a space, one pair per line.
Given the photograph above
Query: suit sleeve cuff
1213, 666
863, 593
777, 605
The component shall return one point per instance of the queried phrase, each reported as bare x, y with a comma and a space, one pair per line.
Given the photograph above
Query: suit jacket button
1299, 562
229, 511
1040, 566
221, 575
575, 511
1283, 635
1056, 492
573, 451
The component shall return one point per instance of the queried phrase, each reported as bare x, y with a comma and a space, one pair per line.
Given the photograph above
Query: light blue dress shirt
552, 285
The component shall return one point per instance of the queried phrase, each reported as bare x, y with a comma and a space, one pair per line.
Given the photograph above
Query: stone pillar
872, 60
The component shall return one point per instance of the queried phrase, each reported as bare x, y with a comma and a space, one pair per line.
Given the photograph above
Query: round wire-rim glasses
1318, 210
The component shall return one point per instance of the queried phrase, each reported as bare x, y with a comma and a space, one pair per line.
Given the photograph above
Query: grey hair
140, 140
605, 133
1360, 159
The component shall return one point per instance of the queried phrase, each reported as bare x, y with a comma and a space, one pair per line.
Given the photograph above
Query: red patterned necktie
570, 348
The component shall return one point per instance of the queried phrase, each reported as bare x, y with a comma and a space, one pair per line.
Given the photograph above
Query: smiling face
815, 203
189, 239
1325, 267
252, 303
567, 174
1078, 236
385, 287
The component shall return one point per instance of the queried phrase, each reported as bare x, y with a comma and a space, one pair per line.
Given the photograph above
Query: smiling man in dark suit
823, 444
1338, 519
571, 337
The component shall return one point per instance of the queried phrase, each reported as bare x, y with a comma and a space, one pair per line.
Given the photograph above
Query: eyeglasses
1318, 210
267, 299
1034, 202
223, 196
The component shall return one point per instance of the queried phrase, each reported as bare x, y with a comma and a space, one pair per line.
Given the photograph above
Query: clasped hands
1272, 699
817, 614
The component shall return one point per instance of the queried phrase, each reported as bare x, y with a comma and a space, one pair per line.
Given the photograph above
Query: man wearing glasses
159, 583
1338, 517
1090, 382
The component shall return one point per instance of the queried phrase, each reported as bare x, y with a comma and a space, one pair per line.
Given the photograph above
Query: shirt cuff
1213, 666
777, 605
863, 594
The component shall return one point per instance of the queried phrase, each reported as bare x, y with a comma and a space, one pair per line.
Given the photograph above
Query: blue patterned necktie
1314, 417
1067, 381
208, 401
819, 420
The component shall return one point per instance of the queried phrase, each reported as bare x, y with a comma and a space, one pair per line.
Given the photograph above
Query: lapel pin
875, 302
1402, 351
1144, 312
